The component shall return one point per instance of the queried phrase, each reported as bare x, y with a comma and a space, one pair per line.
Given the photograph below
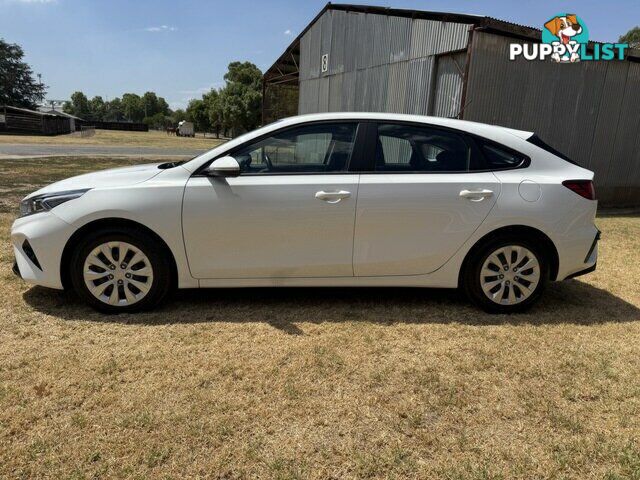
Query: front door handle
476, 195
332, 197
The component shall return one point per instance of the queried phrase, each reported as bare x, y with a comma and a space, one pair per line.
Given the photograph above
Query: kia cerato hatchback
341, 199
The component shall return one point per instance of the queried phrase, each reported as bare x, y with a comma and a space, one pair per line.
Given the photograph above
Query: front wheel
121, 271
506, 275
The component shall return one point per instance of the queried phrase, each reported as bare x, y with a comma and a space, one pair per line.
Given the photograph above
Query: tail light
584, 188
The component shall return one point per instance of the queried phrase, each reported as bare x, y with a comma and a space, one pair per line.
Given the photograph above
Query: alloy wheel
510, 275
118, 273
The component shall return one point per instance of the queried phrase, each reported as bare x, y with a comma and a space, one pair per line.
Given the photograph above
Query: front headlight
47, 201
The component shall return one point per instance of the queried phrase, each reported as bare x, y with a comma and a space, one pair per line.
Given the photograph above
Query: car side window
497, 158
318, 148
408, 148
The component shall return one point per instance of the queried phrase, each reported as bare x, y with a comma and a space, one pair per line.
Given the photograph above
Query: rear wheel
120, 271
506, 275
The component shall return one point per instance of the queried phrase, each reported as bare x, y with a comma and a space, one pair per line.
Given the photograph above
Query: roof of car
473, 127
493, 132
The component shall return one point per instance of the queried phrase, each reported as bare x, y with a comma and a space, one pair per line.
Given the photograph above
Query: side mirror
224, 167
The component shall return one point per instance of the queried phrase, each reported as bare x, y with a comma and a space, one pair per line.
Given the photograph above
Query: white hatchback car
339, 199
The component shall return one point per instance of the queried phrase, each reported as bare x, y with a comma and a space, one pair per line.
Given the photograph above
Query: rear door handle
332, 197
476, 195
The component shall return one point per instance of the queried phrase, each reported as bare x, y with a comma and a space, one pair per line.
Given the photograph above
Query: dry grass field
109, 137
320, 383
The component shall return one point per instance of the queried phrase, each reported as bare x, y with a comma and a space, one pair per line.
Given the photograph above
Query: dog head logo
565, 31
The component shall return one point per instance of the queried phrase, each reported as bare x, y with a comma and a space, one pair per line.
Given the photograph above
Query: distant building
24, 121
362, 58
74, 121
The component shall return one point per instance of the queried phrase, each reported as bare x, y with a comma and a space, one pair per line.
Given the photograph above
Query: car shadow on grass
572, 302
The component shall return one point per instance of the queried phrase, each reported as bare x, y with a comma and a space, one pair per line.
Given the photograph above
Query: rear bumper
594, 247
583, 272
589, 261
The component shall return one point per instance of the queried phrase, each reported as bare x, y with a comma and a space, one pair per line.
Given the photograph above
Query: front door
419, 202
290, 213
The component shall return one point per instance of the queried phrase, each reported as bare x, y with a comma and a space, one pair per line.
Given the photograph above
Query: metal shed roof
59, 113
9, 108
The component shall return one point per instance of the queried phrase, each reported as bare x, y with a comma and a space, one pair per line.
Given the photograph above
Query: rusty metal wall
380, 63
589, 110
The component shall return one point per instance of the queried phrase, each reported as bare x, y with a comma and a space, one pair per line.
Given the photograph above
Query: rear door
419, 199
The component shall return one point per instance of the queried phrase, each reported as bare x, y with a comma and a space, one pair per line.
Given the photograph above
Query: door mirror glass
224, 167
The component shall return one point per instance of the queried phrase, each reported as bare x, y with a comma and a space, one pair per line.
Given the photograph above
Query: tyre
120, 271
506, 275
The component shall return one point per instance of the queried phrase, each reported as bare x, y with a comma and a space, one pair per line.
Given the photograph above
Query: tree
114, 111
178, 115
155, 110
78, 106
163, 106
132, 107
236, 106
150, 104
158, 121
98, 108
197, 113
18, 88
240, 100
632, 37
214, 110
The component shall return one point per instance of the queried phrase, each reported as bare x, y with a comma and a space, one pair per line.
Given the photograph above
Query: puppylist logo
564, 39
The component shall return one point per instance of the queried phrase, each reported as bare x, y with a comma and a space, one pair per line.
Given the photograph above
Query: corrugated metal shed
448, 85
22, 120
385, 56
588, 110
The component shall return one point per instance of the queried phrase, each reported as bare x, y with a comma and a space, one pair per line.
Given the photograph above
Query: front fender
158, 209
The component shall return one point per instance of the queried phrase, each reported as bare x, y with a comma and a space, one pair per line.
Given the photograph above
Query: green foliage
197, 113
178, 116
150, 109
280, 101
114, 111
235, 107
158, 121
211, 101
153, 105
241, 98
632, 37
78, 106
133, 107
97, 108
18, 88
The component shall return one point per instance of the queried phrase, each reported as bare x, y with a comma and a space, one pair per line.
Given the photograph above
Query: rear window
500, 158
409, 148
538, 142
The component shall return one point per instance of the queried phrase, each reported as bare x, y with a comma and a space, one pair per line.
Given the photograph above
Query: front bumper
38, 242
16, 270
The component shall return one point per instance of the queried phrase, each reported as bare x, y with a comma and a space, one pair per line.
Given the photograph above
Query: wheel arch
517, 231
113, 223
